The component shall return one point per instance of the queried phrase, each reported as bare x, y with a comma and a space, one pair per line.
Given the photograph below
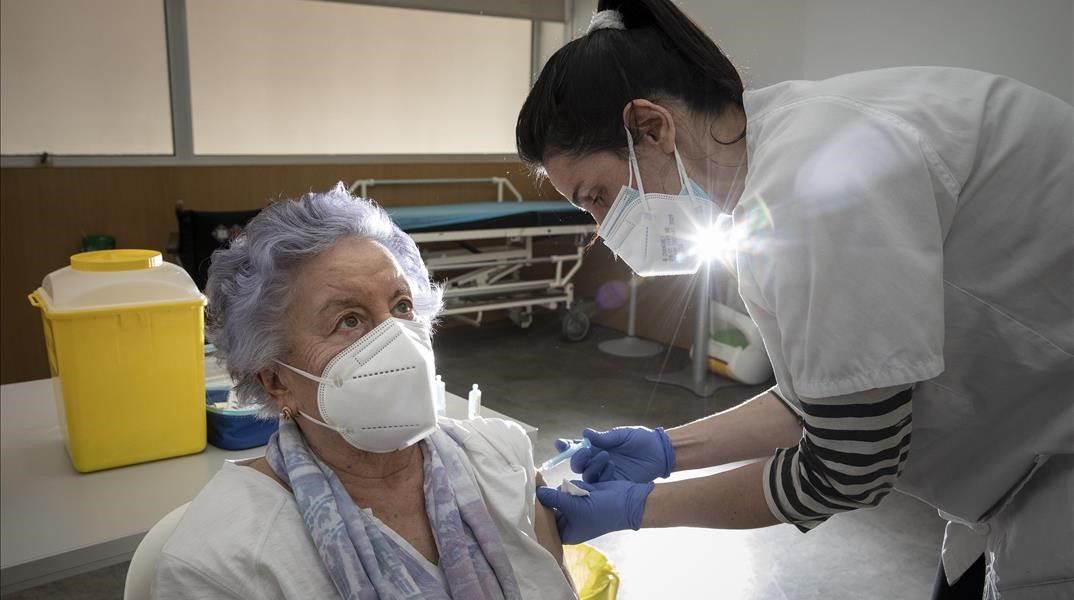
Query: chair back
203, 232
144, 562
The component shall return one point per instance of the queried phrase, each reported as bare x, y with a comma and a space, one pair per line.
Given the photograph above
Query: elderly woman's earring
288, 413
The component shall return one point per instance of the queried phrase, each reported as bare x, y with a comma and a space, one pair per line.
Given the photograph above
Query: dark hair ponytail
576, 105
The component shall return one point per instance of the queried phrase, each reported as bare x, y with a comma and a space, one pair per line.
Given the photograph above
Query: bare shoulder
544, 525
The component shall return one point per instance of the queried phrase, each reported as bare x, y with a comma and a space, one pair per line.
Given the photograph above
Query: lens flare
612, 294
727, 236
720, 238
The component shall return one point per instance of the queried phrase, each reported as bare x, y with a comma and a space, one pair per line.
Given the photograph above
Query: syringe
565, 455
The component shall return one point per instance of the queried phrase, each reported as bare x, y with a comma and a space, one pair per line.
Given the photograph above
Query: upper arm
513, 445
544, 525
177, 578
852, 451
544, 520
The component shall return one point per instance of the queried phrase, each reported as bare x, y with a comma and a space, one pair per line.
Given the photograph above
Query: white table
56, 522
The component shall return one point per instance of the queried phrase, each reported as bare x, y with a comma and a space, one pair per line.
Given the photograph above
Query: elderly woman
322, 311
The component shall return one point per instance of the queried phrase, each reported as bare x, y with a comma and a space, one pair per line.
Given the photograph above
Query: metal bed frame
481, 270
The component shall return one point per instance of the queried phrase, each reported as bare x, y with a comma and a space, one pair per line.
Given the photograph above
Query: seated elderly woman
322, 310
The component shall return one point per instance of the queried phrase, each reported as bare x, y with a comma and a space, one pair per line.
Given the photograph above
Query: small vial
473, 404
441, 397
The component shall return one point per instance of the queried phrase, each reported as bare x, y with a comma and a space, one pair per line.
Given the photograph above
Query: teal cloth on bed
441, 215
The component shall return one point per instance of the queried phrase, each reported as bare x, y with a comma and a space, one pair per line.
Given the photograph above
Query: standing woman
917, 273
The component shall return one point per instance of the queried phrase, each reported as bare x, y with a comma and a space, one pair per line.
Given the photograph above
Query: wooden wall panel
44, 212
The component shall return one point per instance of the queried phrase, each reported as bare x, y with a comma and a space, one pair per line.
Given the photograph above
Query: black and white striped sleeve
851, 453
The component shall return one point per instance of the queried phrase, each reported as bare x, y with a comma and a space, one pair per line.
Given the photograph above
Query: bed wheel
575, 325
522, 317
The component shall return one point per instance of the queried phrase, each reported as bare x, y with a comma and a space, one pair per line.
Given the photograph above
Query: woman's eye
594, 202
405, 307
349, 322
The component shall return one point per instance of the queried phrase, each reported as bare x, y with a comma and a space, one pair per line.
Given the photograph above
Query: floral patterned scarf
365, 562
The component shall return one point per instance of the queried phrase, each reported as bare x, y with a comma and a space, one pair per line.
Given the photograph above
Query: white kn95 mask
378, 393
654, 233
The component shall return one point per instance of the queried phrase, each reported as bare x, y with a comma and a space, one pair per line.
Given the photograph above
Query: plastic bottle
441, 397
473, 404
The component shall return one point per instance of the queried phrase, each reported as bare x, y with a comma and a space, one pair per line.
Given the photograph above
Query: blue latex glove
610, 506
637, 454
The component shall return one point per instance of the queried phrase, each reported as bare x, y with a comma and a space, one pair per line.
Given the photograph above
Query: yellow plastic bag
594, 577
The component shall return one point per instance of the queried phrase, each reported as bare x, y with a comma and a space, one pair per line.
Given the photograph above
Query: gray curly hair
249, 281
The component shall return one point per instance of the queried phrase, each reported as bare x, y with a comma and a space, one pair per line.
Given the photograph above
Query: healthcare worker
907, 254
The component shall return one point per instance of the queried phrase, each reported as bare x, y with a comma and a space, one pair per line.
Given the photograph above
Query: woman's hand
610, 506
636, 454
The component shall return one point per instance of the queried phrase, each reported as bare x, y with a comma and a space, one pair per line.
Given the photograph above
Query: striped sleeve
851, 453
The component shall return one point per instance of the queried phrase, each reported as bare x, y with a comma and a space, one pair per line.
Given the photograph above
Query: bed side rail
362, 185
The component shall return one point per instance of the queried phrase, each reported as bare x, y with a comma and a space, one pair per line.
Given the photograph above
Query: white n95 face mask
378, 394
654, 233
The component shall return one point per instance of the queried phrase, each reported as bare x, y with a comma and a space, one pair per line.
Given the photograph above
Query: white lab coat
916, 225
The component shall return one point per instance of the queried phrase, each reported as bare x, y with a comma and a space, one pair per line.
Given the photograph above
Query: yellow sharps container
125, 338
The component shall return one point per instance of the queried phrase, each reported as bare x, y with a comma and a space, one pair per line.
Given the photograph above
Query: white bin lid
113, 278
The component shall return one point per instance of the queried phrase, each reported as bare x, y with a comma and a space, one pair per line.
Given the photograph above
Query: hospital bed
483, 252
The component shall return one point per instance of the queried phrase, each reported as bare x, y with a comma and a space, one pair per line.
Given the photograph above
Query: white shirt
920, 229
243, 536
